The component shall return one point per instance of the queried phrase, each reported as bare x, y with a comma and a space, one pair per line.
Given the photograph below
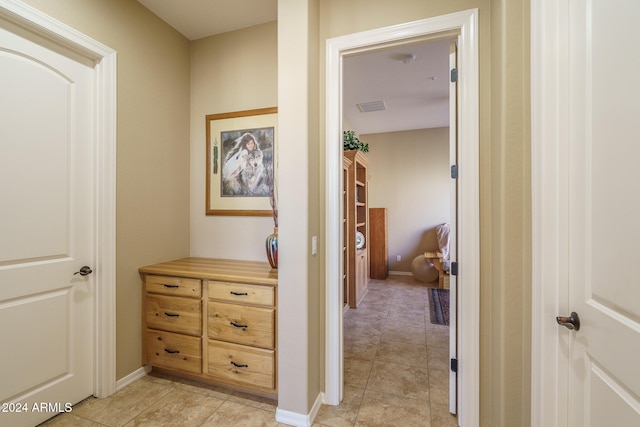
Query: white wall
410, 177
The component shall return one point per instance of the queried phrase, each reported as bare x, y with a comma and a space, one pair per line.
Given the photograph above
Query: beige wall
300, 294
152, 146
410, 177
506, 304
235, 71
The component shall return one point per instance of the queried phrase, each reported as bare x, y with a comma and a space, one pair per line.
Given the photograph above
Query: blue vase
271, 246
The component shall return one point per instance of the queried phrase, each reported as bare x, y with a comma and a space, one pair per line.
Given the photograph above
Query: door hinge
454, 268
454, 171
454, 365
454, 75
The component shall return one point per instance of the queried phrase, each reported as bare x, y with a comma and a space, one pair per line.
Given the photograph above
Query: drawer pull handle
238, 294
172, 351
171, 286
238, 365
238, 325
171, 314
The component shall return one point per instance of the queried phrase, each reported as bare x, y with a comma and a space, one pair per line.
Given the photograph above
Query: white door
604, 213
594, 208
47, 143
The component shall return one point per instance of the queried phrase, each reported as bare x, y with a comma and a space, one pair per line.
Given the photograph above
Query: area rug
439, 306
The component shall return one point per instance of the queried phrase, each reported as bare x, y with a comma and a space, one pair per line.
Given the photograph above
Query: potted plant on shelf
352, 142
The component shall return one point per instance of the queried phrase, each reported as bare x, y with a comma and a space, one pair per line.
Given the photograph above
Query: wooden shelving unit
346, 194
357, 220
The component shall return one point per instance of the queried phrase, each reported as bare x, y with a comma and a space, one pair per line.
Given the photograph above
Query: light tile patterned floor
396, 374
395, 361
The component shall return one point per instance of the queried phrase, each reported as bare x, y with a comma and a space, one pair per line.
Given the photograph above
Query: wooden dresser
212, 319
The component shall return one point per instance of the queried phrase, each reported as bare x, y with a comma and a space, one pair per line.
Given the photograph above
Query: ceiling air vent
368, 107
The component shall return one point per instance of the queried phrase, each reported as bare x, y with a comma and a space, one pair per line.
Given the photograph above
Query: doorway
405, 121
463, 26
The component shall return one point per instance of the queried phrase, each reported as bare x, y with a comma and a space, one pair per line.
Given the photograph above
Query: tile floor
395, 361
396, 374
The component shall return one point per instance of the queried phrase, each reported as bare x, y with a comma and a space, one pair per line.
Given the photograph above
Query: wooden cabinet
173, 313
214, 320
238, 364
346, 249
178, 352
378, 250
241, 324
362, 274
357, 221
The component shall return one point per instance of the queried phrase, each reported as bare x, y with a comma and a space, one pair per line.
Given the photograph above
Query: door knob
572, 322
84, 271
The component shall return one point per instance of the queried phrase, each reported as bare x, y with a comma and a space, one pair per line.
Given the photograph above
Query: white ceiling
415, 94
196, 19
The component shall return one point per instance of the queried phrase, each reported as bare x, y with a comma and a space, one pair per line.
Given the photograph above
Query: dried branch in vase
272, 196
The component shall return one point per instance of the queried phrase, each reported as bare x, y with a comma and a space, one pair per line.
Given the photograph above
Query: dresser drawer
179, 286
174, 351
242, 293
242, 365
174, 314
241, 324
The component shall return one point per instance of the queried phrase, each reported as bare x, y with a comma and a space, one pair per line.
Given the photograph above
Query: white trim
300, 420
106, 72
133, 377
334, 369
105, 220
549, 159
453, 224
465, 24
468, 230
400, 273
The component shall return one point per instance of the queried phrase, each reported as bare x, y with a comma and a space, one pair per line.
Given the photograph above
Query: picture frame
241, 162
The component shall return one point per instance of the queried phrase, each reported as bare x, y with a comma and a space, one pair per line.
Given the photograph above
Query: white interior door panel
47, 144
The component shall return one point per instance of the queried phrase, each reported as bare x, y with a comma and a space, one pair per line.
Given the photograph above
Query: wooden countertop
216, 269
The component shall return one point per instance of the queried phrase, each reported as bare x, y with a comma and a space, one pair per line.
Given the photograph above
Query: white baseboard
316, 407
400, 273
132, 377
300, 420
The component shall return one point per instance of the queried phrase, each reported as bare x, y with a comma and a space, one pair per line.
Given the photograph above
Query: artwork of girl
245, 164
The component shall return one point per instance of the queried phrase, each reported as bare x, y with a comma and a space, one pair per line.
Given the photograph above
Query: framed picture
241, 162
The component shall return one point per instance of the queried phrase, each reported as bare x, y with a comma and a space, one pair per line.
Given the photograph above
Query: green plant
351, 142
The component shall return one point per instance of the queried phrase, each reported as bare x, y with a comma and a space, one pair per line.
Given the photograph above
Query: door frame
549, 186
464, 24
104, 250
